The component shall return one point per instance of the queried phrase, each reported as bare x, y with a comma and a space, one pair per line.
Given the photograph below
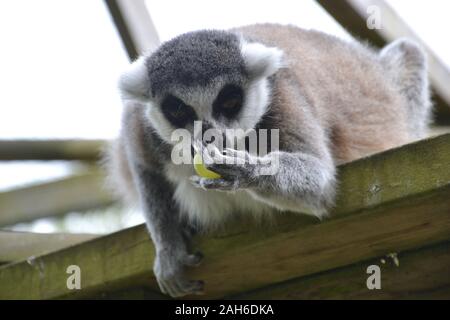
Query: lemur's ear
134, 83
260, 60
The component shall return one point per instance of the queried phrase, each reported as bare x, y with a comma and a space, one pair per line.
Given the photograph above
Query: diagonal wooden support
16, 246
83, 150
135, 26
390, 202
75, 193
353, 14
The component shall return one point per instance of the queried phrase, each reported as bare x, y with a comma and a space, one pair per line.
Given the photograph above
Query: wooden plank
135, 293
391, 202
75, 193
336, 243
438, 130
353, 14
135, 26
398, 173
107, 263
420, 274
86, 150
15, 246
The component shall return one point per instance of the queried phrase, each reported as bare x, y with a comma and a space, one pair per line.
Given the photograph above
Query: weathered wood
135, 293
391, 202
353, 14
339, 242
407, 171
107, 264
438, 131
15, 246
420, 274
86, 150
134, 25
75, 193
413, 278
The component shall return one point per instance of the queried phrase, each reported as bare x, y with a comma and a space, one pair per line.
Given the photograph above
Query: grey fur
195, 59
407, 66
333, 102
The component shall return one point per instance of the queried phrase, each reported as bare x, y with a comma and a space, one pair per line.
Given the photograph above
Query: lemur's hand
238, 169
169, 270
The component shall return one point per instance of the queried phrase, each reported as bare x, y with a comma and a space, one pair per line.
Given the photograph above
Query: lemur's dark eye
229, 102
177, 112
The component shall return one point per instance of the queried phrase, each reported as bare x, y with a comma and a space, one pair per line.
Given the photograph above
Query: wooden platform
394, 202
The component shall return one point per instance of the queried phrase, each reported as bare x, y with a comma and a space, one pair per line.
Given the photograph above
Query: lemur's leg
406, 64
169, 233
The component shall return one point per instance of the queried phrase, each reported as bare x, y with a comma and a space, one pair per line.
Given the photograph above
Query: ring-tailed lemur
332, 101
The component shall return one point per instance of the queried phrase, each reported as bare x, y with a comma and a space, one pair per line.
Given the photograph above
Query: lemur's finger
181, 286
193, 260
240, 157
198, 146
193, 287
162, 286
173, 289
197, 182
216, 184
228, 171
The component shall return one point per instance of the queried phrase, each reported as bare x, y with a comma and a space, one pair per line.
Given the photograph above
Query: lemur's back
351, 89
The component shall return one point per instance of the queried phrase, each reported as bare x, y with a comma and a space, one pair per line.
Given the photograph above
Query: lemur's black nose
206, 125
212, 135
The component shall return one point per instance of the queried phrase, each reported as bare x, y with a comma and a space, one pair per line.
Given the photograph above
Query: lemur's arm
169, 234
304, 177
302, 183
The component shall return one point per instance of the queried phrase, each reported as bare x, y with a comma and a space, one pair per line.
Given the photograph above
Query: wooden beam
15, 246
391, 202
353, 14
419, 274
135, 26
347, 14
85, 150
75, 193
438, 130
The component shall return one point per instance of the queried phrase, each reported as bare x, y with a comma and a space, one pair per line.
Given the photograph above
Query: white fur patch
210, 208
159, 122
257, 100
134, 83
260, 60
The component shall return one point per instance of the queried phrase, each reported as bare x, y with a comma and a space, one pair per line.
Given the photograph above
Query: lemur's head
216, 77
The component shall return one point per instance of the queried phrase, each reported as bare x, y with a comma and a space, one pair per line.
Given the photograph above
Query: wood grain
15, 246
74, 193
86, 150
391, 202
420, 274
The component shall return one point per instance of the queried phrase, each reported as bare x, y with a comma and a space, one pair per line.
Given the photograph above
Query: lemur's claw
216, 184
169, 270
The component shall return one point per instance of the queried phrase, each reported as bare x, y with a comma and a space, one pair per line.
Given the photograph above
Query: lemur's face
210, 76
